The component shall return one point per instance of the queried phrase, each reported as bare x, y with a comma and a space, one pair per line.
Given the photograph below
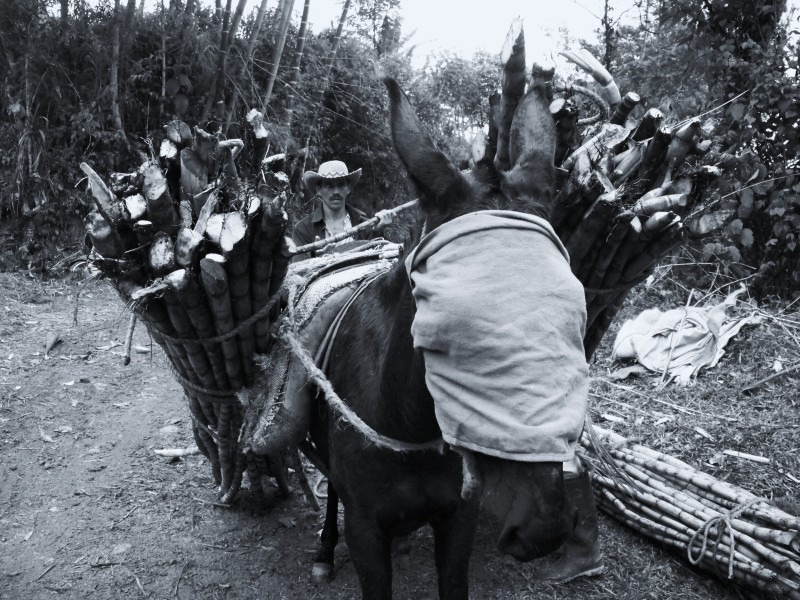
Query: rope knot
723, 524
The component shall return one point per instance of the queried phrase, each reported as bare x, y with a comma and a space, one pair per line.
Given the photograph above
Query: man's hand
385, 218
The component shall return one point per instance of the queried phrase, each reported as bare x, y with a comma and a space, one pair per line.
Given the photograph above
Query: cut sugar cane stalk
215, 283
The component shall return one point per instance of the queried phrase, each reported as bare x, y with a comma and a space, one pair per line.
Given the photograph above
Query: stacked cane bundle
719, 527
625, 186
199, 257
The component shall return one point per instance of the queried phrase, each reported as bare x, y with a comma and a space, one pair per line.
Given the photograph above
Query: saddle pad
500, 321
307, 294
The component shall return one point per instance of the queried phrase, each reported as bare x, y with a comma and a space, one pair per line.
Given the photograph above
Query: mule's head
520, 177
529, 504
514, 172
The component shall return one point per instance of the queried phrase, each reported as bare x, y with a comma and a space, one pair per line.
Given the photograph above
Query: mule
376, 369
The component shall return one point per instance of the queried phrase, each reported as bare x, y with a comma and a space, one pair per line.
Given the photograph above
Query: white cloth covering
500, 321
682, 340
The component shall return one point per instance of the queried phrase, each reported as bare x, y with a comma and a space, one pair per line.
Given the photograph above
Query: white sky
465, 26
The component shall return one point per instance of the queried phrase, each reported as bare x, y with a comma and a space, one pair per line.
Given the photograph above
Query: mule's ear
530, 182
431, 171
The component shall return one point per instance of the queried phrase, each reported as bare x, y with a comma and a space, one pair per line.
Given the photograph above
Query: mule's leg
453, 537
371, 551
322, 571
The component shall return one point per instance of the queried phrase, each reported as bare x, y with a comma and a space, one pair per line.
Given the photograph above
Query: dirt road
88, 510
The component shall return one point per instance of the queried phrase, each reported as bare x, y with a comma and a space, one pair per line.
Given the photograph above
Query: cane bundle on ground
717, 526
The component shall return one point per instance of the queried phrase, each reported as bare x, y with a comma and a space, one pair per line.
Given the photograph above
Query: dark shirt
312, 228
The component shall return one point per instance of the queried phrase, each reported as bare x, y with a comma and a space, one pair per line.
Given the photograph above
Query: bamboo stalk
282, 256
234, 243
160, 207
267, 229
193, 300
593, 225
592, 277
215, 283
565, 115
648, 126
513, 87
624, 108
161, 254
105, 239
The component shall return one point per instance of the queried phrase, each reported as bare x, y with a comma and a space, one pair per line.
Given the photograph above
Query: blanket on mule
500, 322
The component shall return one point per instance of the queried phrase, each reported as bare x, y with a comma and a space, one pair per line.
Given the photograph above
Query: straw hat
333, 169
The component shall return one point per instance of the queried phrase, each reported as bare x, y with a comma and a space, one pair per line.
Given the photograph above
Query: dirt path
87, 510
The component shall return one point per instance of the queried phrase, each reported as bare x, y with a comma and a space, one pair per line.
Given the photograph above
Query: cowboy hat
333, 169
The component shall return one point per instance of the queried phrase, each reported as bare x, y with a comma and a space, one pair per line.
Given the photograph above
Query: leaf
46, 437
737, 111
734, 254
712, 250
287, 522
746, 238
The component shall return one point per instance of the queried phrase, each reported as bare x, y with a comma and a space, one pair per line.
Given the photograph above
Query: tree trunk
276, 59
64, 11
115, 113
128, 26
294, 75
608, 35
163, 97
329, 68
218, 83
248, 60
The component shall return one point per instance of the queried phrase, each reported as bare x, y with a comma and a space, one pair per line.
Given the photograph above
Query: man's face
333, 193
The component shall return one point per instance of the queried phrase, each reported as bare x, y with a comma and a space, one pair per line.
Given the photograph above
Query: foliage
734, 60
697, 56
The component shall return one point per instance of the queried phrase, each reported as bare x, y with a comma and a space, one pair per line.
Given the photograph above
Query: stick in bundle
161, 254
160, 207
202, 436
193, 299
571, 197
215, 284
593, 271
236, 460
105, 238
184, 329
624, 108
565, 115
513, 88
135, 207
662, 499
593, 225
268, 229
145, 231
234, 242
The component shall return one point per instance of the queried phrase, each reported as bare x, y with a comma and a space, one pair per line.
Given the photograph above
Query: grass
696, 423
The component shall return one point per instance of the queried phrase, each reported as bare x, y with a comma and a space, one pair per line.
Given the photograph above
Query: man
332, 184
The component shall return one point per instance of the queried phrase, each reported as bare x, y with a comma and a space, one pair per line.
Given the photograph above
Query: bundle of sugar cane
716, 526
626, 184
200, 257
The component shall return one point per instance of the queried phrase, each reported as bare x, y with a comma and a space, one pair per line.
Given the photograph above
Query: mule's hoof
321, 572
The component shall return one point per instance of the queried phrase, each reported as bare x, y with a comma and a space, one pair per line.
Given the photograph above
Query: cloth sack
682, 340
500, 322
